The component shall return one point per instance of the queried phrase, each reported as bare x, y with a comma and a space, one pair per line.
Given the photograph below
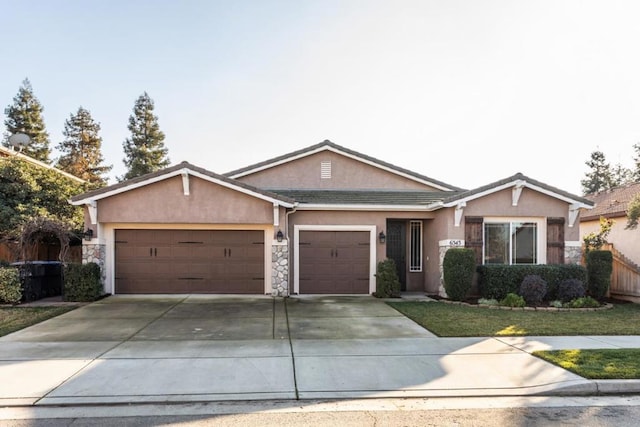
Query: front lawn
448, 320
15, 318
623, 364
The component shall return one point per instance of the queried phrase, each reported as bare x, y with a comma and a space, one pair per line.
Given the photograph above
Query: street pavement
187, 349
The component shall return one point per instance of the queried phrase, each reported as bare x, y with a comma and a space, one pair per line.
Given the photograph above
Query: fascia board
326, 207
511, 184
337, 151
178, 173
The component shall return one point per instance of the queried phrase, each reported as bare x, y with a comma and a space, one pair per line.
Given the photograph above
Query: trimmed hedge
495, 281
458, 266
82, 282
599, 268
387, 282
10, 286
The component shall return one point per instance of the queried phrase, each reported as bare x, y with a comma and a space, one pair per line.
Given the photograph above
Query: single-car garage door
334, 262
189, 261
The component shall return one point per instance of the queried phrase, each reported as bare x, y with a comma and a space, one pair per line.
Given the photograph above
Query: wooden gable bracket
92, 208
458, 213
574, 211
185, 182
516, 192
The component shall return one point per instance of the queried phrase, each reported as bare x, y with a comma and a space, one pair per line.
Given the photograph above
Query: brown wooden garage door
334, 262
189, 261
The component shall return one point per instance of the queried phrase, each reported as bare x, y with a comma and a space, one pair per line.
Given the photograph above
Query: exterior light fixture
382, 238
88, 235
279, 236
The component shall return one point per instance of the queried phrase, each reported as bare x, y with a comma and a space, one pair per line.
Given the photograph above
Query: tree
144, 151
25, 116
81, 149
633, 213
600, 177
620, 176
28, 191
636, 159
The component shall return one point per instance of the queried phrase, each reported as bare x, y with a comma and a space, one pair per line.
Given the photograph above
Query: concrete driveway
203, 348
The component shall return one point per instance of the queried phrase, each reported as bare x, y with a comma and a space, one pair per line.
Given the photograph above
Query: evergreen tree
81, 155
144, 150
25, 116
620, 176
636, 159
600, 176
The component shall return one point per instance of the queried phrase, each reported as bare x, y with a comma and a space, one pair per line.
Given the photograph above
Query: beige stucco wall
626, 241
379, 220
165, 202
346, 173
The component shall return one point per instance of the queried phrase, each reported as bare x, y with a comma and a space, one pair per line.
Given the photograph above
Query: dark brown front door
189, 261
397, 248
334, 262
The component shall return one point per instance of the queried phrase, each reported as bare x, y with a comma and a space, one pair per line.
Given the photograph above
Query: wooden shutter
555, 240
473, 235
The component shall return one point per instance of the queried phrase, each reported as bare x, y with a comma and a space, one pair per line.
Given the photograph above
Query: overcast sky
467, 92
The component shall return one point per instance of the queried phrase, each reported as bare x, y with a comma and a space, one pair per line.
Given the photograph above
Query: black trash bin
40, 279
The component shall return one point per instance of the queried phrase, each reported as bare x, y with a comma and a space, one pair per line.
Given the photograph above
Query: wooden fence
625, 278
9, 253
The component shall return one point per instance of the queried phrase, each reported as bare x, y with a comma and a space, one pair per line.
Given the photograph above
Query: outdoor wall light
382, 237
88, 235
279, 236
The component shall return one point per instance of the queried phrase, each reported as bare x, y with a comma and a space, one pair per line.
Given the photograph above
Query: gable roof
180, 169
5, 152
513, 181
612, 203
327, 145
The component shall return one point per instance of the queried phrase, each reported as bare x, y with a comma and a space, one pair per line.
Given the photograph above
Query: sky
466, 92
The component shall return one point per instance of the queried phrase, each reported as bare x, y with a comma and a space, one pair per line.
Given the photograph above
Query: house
612, 204
315, 221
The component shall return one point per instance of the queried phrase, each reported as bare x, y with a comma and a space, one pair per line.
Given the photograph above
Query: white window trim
413, 269
372, 249
541, 227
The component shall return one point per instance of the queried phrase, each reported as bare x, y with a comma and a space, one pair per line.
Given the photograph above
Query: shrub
555, 303
599, 268
82, 282
10, 287
570, 289
458, 265
496, 281
533, 289
584, 302
387, 282
513, 300
484, 301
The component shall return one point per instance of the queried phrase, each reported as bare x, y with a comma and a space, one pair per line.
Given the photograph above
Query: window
415, 246
511, 242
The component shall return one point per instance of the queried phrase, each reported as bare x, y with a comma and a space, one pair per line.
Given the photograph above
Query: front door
396, 248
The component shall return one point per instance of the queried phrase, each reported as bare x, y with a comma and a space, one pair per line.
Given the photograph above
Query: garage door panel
183, 261
334, 262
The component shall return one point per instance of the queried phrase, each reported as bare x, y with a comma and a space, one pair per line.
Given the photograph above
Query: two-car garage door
189, 261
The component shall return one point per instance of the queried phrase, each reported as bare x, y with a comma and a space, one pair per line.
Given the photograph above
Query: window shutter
555, 240
473, 235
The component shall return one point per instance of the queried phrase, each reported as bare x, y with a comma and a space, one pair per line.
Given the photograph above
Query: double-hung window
511, 242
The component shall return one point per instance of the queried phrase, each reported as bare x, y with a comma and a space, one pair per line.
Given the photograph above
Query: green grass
447, 320
15, 318
607, 364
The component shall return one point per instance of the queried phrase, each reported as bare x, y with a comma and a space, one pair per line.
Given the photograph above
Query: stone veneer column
443, 247
95, 252
573, 252
280, 269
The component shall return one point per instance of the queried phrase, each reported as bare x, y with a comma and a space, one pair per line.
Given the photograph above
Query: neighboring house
612, 204
7, 152
314, 221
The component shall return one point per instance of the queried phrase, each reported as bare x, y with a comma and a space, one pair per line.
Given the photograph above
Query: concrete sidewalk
216, 348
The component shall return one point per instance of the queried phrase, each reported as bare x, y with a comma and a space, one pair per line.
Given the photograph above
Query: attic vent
325, 170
